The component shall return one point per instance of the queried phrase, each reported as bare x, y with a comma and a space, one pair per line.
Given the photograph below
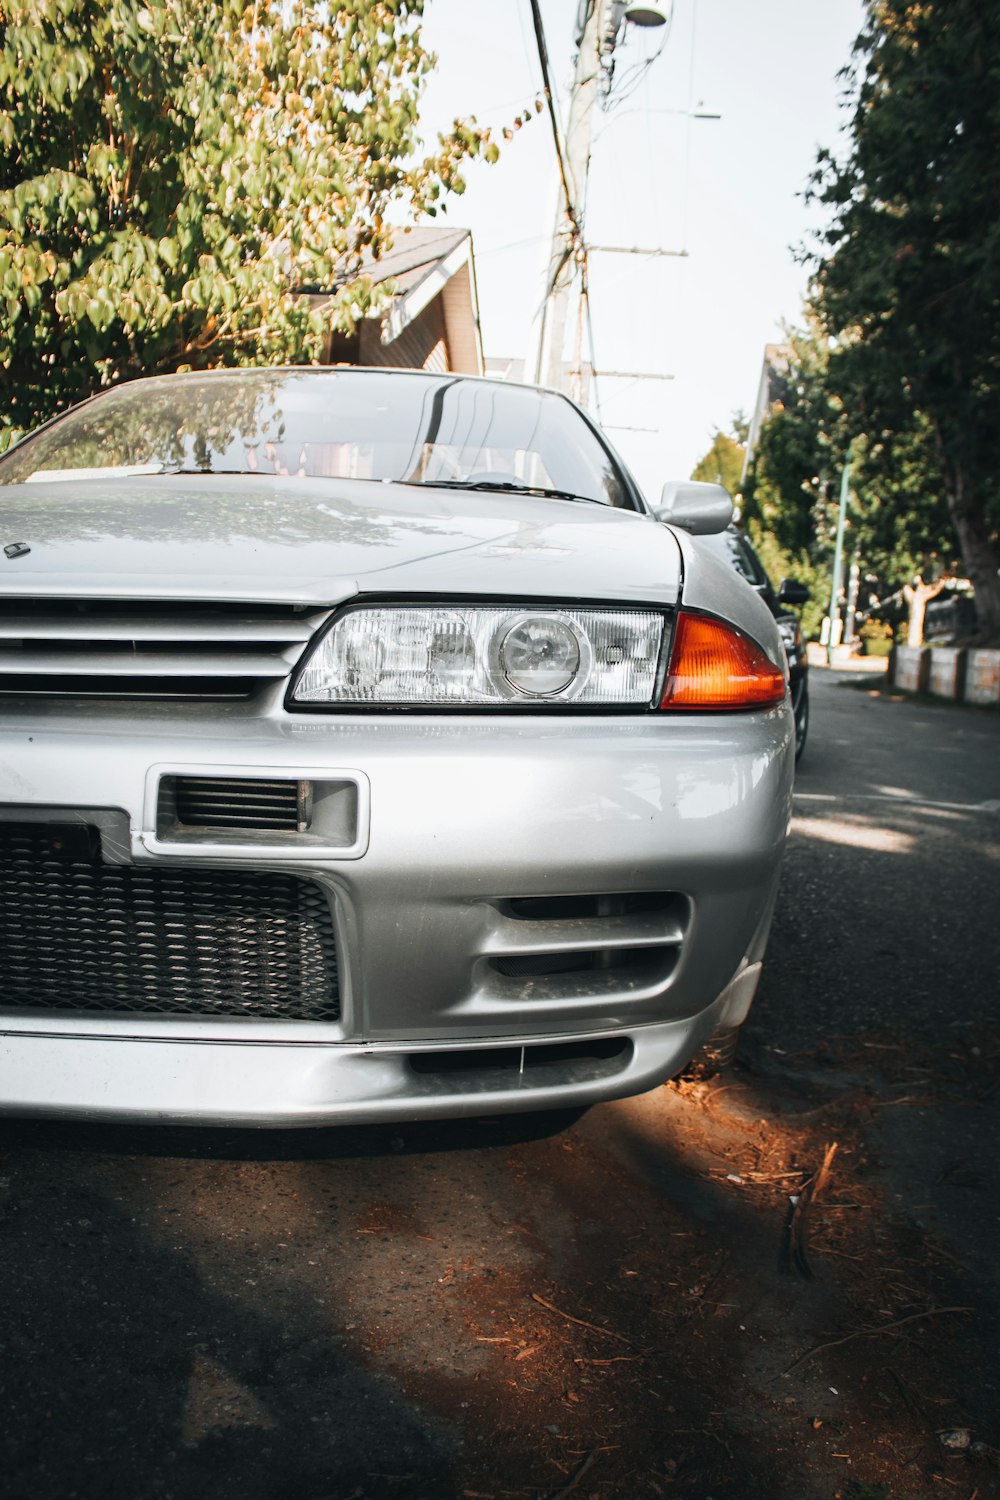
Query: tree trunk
917, 596
981, 564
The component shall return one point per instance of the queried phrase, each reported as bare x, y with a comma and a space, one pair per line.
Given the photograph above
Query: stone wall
954, 672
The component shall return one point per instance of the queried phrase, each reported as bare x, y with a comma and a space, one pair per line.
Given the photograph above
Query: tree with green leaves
782, 552
798, 452
175, 173
907, 279
723, 463
898, 526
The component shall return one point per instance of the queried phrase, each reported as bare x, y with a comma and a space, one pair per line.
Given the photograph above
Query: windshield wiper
505, 486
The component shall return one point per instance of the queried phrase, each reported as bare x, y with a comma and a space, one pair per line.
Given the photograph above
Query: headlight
447, 655
791, 633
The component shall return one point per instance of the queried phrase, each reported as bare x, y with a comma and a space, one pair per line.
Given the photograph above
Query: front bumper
446, 950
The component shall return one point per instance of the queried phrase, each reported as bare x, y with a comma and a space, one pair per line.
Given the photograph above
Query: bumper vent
558, 947
111, 649
80, 936
630, 962
545, 1065
239, 802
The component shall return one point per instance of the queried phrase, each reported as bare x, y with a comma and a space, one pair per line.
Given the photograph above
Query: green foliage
799, 453
877, 636
174, 174
780, 563
898, 524
723, 463
899, 515
908, 274
773, 525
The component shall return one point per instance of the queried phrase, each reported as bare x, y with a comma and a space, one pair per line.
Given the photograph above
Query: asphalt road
890, 897
622, 1304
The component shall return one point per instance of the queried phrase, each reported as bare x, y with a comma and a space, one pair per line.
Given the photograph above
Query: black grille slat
213, 818
91, 685
219, 802
77, 935
157, 649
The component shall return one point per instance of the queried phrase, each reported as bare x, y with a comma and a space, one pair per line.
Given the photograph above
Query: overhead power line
634, 250
633, 375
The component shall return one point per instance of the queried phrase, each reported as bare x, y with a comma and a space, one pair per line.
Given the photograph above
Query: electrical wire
531, 239
543, 57
631, 80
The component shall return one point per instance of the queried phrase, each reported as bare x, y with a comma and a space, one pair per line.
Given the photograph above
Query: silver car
369, 751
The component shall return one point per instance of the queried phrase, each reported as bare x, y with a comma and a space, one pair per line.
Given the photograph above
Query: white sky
727, 191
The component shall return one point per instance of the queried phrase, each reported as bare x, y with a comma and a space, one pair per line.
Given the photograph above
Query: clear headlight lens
442, 655
791, 633
540, 656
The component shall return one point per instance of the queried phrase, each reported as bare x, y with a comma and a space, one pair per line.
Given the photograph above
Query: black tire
801, 722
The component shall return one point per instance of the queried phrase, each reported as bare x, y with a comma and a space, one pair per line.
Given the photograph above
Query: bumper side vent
555, 948
544, 1065
635, 962
237, 802
570, 908
230, 811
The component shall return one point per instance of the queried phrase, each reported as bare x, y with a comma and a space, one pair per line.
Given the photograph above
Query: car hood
319, 541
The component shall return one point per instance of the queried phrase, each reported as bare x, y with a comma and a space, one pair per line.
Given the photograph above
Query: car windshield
348, 424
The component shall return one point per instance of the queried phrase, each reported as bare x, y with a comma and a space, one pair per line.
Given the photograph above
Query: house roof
425, 263
414, 255
777, 358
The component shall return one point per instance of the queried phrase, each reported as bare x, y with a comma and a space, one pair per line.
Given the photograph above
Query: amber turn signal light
713, 665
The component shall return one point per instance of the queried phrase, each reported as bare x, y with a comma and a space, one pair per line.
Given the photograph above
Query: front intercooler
77, 934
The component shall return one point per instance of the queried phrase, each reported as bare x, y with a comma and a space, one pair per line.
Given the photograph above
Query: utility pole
566, 245
599, 29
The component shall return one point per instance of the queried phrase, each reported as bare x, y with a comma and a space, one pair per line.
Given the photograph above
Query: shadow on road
340, 1143
131, 1376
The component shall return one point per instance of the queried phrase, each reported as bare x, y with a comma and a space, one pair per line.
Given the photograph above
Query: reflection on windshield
367, 425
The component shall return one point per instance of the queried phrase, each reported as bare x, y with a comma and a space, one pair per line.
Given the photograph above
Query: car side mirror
792, 592
702, 509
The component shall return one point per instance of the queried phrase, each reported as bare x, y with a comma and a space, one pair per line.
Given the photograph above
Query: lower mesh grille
78, 935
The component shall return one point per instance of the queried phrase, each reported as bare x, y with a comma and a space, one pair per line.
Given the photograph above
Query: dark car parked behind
736, 548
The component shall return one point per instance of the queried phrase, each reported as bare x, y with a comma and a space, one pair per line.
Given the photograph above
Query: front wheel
801, 722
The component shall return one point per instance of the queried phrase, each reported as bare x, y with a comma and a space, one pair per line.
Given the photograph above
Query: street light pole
838, 558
